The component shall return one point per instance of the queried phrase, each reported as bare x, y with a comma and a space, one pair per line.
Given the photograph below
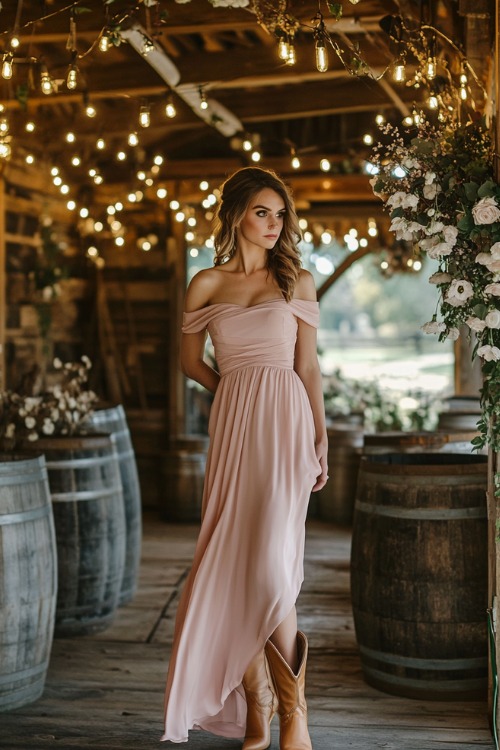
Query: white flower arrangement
62, 409
441, 195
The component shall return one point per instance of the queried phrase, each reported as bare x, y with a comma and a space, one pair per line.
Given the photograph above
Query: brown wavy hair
236, 194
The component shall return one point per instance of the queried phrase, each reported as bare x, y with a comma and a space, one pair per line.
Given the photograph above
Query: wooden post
493, 458
3, 286
177, 395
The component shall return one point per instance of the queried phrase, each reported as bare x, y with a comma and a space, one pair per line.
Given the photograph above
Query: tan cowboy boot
292, 706
262, 704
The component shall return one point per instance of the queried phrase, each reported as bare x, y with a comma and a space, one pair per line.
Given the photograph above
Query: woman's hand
322, 455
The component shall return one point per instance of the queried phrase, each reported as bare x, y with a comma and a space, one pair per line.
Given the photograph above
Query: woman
237, 656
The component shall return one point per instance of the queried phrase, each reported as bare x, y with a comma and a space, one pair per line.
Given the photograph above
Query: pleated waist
254, 366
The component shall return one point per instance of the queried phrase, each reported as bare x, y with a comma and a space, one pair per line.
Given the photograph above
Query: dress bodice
263, 334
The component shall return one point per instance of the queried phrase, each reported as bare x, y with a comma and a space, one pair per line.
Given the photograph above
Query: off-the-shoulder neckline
249, 307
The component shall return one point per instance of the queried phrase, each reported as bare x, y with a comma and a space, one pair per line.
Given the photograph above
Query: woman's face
263, 221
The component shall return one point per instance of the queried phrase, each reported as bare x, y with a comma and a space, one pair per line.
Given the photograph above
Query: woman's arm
307, 368
193, 344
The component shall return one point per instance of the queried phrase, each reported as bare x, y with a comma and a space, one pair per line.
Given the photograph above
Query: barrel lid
424, 463
425, 439
89, 440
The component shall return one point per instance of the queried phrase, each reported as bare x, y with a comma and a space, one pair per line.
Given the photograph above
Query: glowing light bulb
170, 109
295, 162
158, 160
180, 216
191, 221
98, 226
119, 206
283, 48
463, 93
145, 116
76, 161
121, 155
291, 59
174, 205
64, 189
408, 121
15, 41
325, 165
84, 212
431, 68
70, 137
30, 127
30, 159
256, 156
54, 171
119, 241
141, 175
100, 144
104, 42
46, 82
321, 56
161, 193
399, 73
247, 145
57, 181
380, 119
433, 102
204, 185
92, 172
368, 139
4, 126
98, 179
72, 77
147, 46
133, 140
90, 110
71, 205
7, 66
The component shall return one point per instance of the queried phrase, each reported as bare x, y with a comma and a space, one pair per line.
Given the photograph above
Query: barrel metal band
23, 477
23, 674
69, 497
82, 463
420, 514
29, 515
477, 662
425, 479
434, 685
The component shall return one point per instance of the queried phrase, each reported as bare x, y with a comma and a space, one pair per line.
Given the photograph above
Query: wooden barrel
28, 582
459, 420
184, 473
112, 419
89, 519
448, 441
419, 574
336, 499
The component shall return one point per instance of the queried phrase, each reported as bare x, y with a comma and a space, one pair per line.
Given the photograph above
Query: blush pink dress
261, 466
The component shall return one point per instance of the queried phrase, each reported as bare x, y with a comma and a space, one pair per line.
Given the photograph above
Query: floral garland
442, 196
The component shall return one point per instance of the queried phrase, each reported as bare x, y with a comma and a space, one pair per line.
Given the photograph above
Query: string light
325, 165
76, 161
30, 159
54, 171
84, 213
291, 59
70, 137
368, 139
158, 160
71, 205
133, 139
30, 126
72, 77
203, 101
161, 193
174, 205
104, 41
433, 102
463, 85
100, 144
4, 126
90, 110
7, 66
145, 116
247, 145
5, 150
380, 119
46, 82
295, 162
204, 185
431, 68
320, 43
399, 72
170, 109
15, 41
256, 156
64, 189
121, 156
283, 48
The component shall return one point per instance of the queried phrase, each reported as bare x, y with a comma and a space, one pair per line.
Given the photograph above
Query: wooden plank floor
106, 691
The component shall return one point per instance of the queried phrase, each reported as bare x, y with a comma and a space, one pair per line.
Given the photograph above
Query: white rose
493, 289
493, 265
492, 319
476, 324
459, 292
410, 201
30, 422
396, 199
430, 191
440, 278
489, 353
86, 361
434, 227
48, 428
495, 250
433, 327
483, 258
450, 234
486, 211
453, 334
439, 249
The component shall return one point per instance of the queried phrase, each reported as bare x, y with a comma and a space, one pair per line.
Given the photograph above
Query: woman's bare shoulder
305, 288
201, 289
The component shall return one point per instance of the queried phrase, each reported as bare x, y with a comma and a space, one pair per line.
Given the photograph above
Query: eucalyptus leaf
397, 213
487, 189
471, 190
466, 223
